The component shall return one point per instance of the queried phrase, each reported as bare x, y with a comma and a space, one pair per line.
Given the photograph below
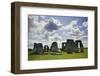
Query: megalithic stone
46, 48
54, 47
40, 48
76, 46
80, 45
35, 48
70, 46
63, 46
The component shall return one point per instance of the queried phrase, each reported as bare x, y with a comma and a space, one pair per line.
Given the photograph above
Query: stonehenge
54, 47
38, 48
46, 48
70, 46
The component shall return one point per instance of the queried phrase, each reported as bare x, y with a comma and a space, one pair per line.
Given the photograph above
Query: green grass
64, 55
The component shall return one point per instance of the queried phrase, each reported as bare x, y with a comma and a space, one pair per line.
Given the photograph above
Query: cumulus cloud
56, 21
71, 30
85, 24
49, 30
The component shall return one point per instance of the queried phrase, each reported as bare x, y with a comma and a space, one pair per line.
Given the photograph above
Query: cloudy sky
47, 29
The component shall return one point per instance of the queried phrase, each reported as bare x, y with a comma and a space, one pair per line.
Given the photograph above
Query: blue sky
46, 29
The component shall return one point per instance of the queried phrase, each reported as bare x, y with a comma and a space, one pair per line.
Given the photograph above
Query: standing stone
76, 47
79, 45
63, 46
54, 47
70, 46
40, 48
46, 48
35, 48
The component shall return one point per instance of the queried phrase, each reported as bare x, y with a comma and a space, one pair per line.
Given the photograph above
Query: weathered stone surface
70, 46
79, 45
46, 48
76, 47
35, 48
38, 48
54, 47
63, 46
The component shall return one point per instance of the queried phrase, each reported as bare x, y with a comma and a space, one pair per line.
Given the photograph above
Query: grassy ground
64, 55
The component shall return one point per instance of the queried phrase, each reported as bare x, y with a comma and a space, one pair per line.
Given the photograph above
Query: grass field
64, 55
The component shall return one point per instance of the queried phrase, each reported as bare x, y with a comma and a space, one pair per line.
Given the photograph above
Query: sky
47, 29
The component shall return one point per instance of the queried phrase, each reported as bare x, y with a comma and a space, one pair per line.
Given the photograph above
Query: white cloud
72, 31
56, 21
37, 33
85, 24
73, 22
